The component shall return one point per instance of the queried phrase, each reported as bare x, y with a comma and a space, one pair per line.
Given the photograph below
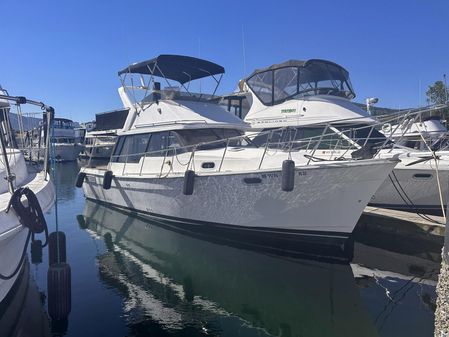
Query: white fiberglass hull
326, 201
13, 235
415, 187
412, 186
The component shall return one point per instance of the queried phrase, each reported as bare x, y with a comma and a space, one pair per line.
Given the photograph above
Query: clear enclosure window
315, 78
262, 85
285, 83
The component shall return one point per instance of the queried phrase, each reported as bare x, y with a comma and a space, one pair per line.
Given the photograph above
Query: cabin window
135, 146
300, 139
118, 148
130, 148
157, 144
169, 143
217, 137
360, 133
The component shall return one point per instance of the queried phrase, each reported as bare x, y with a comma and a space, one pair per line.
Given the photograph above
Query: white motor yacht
298, 95
63, 137
17, 179
182, 157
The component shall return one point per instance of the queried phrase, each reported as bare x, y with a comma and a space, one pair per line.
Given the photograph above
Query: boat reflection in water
23, 314
176, 283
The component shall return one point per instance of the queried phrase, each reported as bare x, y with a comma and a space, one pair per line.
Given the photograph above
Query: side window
117, 149
174, 142
157, 144
135, 146
130, 148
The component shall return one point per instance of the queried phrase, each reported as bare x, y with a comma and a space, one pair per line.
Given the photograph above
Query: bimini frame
179, 68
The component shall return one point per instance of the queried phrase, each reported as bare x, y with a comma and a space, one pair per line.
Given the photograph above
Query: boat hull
414, 188
13, 235
326, 201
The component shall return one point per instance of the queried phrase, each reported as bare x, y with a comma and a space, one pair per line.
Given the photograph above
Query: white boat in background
15, 173
80, 134
63, 137
182, 157
423, 134
100, 141
298, 95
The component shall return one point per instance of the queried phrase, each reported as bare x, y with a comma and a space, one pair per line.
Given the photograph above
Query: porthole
422, 176
208, 165
252, 180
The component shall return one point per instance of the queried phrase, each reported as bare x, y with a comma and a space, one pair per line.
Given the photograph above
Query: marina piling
442, 310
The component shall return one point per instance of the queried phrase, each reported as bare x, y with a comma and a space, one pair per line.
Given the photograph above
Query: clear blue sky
67, 53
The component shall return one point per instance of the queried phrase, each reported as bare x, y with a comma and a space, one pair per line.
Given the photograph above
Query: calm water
133, 277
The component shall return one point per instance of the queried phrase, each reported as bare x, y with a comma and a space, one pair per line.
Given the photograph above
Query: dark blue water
135, 277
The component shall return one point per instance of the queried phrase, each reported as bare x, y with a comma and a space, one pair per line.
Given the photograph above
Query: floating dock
431, 224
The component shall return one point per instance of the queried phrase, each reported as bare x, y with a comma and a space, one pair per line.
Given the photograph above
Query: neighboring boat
80, 134
174, 280
98, 144
15, 173
298, 95
63, 137
427, 133
100, 141
182, 157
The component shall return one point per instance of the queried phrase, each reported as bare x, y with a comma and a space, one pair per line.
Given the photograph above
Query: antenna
445, 87
243, 50
419, 93
199, 56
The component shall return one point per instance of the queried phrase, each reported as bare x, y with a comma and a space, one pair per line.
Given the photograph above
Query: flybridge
297, 79
179, 68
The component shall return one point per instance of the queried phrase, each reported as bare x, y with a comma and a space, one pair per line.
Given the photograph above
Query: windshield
314, 78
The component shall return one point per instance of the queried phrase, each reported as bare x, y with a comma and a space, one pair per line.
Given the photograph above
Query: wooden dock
431, 224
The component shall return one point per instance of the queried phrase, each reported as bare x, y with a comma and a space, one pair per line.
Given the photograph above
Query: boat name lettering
270, 175
302, 173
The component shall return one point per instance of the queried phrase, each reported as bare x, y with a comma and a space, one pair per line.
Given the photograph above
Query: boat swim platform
404, 221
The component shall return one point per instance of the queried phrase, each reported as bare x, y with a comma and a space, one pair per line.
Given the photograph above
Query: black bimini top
179, 68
